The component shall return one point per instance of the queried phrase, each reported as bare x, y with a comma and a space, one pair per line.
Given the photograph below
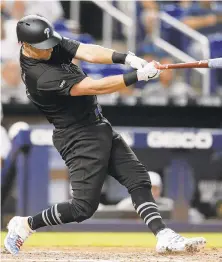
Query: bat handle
161, 67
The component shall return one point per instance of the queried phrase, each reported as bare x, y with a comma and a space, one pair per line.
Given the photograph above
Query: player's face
42, 54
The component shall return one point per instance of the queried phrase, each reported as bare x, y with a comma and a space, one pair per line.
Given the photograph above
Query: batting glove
134, 61
149, 71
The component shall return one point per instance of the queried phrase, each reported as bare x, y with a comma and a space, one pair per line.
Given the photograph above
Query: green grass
53, 239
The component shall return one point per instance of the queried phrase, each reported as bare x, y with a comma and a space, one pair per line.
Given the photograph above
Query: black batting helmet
37, 31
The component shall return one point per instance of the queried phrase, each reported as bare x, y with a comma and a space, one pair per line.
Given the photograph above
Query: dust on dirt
109, 254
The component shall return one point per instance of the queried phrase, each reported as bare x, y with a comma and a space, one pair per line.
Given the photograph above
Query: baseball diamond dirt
107, 247
109, 254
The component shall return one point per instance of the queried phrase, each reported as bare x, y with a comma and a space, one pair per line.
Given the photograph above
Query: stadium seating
169, 33
98, 71
60, 26
140, 27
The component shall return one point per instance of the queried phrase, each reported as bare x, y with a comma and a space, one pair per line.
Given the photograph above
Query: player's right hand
148, 72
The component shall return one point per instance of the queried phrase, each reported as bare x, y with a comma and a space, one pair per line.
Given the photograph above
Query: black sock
146, 207
55, 215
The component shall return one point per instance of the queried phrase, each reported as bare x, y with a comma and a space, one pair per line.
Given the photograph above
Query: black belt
94, 115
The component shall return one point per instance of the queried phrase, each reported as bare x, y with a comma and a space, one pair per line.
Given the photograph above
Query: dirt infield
110, 254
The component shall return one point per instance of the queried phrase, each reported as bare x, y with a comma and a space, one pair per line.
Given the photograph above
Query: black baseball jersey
48, 84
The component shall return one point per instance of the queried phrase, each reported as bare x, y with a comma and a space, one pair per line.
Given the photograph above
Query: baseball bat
211, 63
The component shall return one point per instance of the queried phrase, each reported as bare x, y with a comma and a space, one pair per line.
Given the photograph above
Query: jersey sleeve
59, 80
70, 46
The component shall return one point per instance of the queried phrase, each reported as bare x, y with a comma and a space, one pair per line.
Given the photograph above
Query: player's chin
47, 57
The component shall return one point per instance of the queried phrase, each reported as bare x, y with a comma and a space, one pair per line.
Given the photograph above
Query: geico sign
41, 137
200, 140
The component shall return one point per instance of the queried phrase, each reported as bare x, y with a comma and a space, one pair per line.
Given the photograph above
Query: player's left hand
148, 72
134, 61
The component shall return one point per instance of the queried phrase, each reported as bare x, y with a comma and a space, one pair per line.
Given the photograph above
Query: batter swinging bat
211, 63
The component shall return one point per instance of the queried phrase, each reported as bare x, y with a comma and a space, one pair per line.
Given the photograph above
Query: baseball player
83, 136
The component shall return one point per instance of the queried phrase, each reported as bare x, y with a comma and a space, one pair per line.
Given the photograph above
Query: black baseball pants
92, 151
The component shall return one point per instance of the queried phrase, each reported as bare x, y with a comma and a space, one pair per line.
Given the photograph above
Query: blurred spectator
204, 16
150, 11
129, 96
9, 44
5, 145
5, 142
12, 87
127, 8
185, 4
149, 14
17, 9
162, 202
149, 52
